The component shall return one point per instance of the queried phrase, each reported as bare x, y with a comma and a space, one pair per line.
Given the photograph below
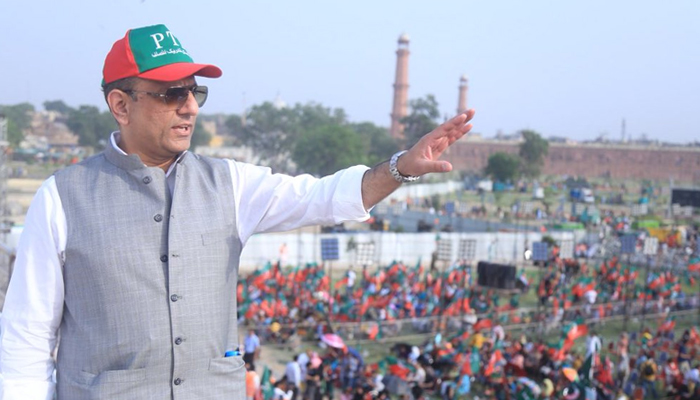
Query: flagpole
626, 291
359, 311
540, 265
330, 291
646, 285
464, 288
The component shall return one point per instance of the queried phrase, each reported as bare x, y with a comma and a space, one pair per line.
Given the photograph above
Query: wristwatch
395, 171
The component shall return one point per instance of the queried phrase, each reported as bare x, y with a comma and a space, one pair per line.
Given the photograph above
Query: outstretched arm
421, 159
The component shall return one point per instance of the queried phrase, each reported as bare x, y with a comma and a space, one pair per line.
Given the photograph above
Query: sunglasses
177, 96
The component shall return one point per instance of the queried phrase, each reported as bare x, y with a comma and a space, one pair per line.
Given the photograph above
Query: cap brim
178, 71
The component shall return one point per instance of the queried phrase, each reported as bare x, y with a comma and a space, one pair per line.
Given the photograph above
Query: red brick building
590, 160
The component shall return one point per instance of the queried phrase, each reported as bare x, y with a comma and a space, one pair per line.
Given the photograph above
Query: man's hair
120, 84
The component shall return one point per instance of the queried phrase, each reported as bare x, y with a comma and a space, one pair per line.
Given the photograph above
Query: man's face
158, 130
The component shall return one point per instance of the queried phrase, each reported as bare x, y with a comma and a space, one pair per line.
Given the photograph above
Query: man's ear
118, 102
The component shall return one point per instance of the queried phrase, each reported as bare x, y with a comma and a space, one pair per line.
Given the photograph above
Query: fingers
428, 167
458, 126
422, 158
461, 119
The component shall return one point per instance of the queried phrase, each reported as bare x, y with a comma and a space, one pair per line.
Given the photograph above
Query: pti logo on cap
152, 52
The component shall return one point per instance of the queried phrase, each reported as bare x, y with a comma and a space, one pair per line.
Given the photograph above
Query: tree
267, 132
58, 106
271, 131
234, 125
200, 136
313, 115
422, 119
19, 118
502, 167
326, 149
377, 143
533, 150
91, 126
14, 134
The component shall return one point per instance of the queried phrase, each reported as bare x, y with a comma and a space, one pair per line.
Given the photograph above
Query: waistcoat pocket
113, 376
226, 364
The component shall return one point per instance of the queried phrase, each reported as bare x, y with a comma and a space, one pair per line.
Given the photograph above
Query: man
292, 373
133, 254
593, 344
648, 370
252, 382
303, 359
251, 348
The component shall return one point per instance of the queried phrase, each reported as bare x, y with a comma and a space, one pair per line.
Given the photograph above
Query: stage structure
329, 253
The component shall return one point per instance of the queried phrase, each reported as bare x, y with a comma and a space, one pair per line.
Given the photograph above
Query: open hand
423, 157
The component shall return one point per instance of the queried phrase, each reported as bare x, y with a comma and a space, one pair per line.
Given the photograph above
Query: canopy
333, 340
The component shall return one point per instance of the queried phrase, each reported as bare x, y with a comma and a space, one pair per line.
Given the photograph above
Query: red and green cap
152, 52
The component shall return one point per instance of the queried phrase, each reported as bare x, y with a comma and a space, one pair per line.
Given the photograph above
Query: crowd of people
491, 363
284, 304
484, 356
501, 344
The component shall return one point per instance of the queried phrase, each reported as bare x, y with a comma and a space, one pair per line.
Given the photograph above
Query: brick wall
590, 160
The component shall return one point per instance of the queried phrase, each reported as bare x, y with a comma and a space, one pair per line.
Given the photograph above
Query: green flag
586, 369
266, 387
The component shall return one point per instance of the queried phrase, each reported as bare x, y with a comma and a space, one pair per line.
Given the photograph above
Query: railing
412, 328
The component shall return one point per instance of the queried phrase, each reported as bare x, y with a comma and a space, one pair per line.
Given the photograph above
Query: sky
573, 69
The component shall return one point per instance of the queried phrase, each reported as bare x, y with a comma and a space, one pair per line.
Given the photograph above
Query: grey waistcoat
150, 281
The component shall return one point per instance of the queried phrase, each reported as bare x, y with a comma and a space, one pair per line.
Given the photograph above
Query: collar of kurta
130, 162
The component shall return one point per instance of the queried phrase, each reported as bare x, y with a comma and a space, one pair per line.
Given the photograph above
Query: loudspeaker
498, 276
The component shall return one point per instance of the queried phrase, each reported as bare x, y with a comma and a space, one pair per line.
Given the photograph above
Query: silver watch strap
394, 170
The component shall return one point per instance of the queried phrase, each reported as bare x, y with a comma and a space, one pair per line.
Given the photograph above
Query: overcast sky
562, 68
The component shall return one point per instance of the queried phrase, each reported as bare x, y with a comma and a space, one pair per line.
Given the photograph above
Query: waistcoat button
174, 297
164, 258
178, 381
158, 218
146, 180
178, 341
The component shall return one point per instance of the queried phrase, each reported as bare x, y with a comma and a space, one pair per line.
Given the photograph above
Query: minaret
462, 101
400, 108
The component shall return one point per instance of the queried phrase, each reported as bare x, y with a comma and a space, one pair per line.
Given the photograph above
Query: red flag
373, 331
437, 287
694, 336
364, 307
341, 283
576, 330
466, 367
496, 356
323, 284
484, 323
667, 326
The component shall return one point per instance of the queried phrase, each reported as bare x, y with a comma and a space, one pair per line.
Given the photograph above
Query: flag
466, 366
398, 367
558, 350
266, 386
694, 265
575, 330
585, 372
484, 323
341, 283
694, 336
374, 332
496, 356
524, 392
668, 325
